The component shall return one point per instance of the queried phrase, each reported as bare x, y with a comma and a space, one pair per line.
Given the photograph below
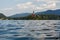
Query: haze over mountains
57, 12
48, 12
20, 15
2, 15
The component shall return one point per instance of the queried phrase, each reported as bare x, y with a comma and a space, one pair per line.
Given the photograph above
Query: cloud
7, 11
46, 7
29, 6
44, 0
37, 0
25, 5
16, 0
32, 5
49, 4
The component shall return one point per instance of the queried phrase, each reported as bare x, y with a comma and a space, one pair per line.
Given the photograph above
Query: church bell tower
33, 14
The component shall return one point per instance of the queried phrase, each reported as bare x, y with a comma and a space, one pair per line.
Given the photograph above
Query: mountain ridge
57, 12
45, 15
20, 15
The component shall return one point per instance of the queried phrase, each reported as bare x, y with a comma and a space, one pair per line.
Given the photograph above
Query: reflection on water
29, 30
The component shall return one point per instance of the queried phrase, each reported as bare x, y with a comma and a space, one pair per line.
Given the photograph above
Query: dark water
29, 30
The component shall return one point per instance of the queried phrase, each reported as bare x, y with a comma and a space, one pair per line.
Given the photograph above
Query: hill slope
57, 12
20, 15
1, 15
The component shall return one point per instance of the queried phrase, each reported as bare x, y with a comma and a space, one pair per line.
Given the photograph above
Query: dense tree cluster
39, 17
33, 17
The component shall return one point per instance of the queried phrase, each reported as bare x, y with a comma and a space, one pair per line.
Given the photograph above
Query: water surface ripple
29, 29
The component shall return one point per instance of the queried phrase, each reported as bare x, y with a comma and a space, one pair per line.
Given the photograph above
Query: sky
11, 7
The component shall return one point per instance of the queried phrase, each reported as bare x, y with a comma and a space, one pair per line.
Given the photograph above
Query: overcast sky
11, 7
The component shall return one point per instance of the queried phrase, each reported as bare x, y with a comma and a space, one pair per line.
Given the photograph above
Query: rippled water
29, 29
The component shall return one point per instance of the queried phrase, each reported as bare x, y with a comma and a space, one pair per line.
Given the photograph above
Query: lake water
29, 29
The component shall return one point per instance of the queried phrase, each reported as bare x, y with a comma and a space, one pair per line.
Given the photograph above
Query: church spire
33, 14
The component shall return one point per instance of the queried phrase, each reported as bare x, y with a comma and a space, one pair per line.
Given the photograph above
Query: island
45, 15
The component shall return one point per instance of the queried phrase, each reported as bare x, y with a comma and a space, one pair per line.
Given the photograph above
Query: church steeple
33, 14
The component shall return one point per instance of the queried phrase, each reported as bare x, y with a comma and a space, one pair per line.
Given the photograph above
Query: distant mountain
20, 15
2, 15
57, 12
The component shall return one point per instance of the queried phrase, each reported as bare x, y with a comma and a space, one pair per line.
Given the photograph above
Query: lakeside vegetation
45, 15
35, 17
39, 17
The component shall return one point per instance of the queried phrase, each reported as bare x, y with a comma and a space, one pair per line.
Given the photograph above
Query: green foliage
40, 17
36, 17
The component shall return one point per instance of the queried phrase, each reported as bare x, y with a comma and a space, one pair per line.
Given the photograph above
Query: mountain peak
57, 12
2, 15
